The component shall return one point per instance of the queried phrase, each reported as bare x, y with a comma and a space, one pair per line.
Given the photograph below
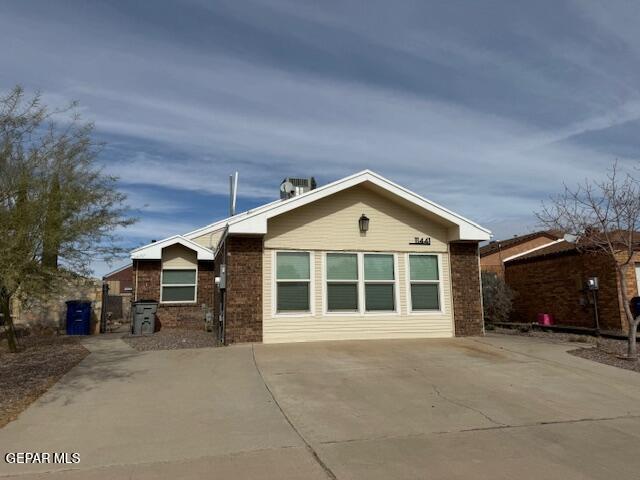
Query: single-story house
553, 280
496, 252
359, 258
120, 281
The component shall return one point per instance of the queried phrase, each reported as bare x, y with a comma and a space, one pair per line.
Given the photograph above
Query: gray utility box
143, 317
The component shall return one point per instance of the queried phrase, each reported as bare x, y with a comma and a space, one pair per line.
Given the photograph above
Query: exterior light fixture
363, 222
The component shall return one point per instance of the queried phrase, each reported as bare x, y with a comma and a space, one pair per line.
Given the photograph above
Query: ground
171, 339
26, 375
497, 407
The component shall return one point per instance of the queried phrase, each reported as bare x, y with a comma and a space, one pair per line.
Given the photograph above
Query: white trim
194, 285
255, 221
274, 286
533, 250
410, 311
153, 251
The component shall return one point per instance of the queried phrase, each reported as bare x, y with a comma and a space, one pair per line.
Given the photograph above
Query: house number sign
421, 241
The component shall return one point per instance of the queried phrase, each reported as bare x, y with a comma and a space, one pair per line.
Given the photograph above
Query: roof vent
291, 187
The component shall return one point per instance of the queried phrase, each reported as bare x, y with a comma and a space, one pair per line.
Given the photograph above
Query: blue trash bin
78, 317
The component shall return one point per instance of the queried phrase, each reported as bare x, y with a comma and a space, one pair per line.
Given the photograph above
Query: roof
153, 251
254, 222
118, 270
560, 247
498, 245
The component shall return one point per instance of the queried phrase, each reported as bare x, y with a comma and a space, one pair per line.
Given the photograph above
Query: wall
493, 262
210, 240
467, 293
243, 297
120, 281
331, 224
555, 285
174, 315
179, 256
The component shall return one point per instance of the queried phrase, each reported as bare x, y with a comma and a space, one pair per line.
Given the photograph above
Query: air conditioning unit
291, 187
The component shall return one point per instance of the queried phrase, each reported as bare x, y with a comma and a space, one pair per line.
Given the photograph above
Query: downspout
135, 296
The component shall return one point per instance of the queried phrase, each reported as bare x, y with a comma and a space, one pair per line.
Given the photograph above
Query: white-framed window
179, 285
424, 283
342, 282
379, 282
293, 282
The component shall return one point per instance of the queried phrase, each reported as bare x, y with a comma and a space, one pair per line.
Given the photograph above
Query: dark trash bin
78, 317
143, 317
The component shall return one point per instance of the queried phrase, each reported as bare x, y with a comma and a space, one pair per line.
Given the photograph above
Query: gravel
172, 339
27, 374
602, 350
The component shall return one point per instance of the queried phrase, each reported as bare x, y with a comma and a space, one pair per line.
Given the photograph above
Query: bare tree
604, 217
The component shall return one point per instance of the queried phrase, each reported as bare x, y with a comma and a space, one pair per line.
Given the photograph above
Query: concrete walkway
493, 407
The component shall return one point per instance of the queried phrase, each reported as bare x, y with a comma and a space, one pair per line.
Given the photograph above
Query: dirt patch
608, 351
602, 350
26, 375
172, 339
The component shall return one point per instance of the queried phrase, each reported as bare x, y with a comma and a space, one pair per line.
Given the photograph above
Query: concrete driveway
487, 408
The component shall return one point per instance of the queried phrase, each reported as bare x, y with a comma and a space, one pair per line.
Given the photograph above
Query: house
553, 280
120, 281
495, 253
359, 258
120, 288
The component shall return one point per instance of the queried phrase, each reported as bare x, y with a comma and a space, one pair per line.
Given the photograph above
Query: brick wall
555, 284
177, 315
493, 262
465, 285
243, 297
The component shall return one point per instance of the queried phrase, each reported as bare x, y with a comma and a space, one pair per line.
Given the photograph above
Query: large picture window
178, 285
424, 282
342, 282
293, 278
379, 282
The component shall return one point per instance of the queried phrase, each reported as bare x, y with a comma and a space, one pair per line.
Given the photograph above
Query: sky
484, 107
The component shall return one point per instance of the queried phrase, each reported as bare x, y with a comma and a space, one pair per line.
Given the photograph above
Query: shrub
497, 298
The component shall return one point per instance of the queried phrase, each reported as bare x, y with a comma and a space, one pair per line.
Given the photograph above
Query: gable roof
498, 245
153, 251
117, 270
254, 221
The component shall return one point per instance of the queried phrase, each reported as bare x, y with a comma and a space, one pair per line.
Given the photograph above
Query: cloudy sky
485, 107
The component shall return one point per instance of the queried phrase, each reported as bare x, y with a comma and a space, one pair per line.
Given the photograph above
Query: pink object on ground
545, 319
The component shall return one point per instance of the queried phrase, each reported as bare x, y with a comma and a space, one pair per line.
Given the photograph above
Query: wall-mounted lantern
363, 222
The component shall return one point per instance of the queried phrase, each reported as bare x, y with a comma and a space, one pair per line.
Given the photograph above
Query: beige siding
332, 224
178, 256
210, 240
320, 326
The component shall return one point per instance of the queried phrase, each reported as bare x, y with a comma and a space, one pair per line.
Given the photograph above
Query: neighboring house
120, 281
358, 258
118, 300
494, 254
553, 280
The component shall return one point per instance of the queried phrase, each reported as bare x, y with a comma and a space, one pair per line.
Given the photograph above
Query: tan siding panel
178, 256
210, 240
332, 224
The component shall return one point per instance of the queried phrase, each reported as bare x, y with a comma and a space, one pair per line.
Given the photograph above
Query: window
342, 282
424, 280
293, 277
379, 283
178, 286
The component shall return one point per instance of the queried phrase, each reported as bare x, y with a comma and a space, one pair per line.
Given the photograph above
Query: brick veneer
177, 315
243, 297
465, 286
555, 284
